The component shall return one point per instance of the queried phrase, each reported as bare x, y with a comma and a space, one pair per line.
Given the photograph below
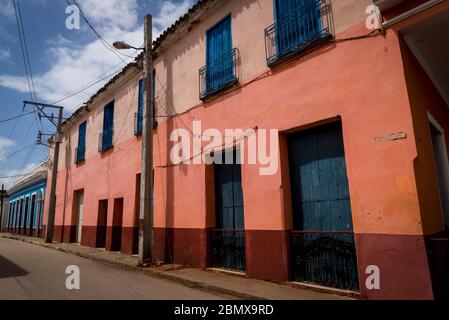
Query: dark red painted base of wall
403, 264
130, 240
31, 233
193, 247
182, 246
402, 259
90, 237
114, 238
267, 255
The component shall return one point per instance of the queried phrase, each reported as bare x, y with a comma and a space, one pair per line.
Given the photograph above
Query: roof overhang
33, 179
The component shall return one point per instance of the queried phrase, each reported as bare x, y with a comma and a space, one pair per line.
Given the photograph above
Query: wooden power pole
146, 187
54, 173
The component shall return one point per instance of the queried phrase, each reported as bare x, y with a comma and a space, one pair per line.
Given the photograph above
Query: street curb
147, 271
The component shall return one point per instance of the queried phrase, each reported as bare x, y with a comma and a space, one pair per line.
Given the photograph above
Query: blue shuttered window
81, 149
108, 128
219, 57
139, 115
299, 23
138, 118
153, 98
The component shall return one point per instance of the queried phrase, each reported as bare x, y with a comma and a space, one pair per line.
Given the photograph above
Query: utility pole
146, 185
2, 194
57, 140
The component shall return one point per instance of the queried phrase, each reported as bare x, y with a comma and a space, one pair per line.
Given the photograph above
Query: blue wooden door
298, 21
228, 248
219, 57
323, 249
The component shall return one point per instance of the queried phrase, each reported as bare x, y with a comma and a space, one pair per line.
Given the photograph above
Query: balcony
80, 154
307, 27
219, 74
105, 140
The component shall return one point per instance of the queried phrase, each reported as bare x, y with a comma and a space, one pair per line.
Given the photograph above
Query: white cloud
169, 13
111, 13
6, 8
5, 55
76, 65
11, 175
5, 144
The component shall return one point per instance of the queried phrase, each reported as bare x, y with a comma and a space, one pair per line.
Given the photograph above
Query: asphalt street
28, 271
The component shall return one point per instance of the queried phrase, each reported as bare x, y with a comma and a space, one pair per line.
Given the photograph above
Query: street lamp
146, 184
122, 45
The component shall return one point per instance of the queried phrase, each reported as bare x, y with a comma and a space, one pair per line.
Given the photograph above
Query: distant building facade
4, 209
26, 203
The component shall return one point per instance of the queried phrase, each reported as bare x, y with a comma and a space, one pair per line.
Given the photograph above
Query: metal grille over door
228, 239
322, 242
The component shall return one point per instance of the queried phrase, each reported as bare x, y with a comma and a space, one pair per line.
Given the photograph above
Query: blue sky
63, 61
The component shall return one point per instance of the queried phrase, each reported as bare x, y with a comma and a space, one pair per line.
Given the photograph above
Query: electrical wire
17, 151
106, 44
16, 117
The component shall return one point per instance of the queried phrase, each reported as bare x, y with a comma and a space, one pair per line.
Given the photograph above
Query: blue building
26, 203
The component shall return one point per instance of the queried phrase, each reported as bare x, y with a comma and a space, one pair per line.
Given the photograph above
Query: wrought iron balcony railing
105, 140
307, 27
228, 249
80, 154
219, 74
138, 120
325, 258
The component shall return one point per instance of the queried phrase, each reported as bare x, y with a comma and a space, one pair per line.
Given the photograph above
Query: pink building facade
361, 129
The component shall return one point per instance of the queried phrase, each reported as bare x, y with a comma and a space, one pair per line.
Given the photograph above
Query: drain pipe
410, 13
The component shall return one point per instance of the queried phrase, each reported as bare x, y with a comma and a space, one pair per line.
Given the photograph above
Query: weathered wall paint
360, 82
177, 83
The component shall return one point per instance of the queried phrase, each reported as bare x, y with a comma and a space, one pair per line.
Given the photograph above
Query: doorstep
324, 289
227, 271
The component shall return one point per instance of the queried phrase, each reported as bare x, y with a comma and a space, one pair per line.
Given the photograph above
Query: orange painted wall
319, 86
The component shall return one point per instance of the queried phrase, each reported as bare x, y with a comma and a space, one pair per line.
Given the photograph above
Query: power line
26, 58
16, 152
87, 86
106, 44
25, 163
19, 30
16, 117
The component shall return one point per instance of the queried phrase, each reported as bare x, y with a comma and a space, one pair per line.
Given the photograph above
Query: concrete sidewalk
208, 280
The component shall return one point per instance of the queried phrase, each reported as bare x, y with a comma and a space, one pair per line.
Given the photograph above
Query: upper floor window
299, 24
108, 128
81, 149
221, 58
138, 117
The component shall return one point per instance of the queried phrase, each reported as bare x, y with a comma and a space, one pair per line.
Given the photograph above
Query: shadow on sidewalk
9, 269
